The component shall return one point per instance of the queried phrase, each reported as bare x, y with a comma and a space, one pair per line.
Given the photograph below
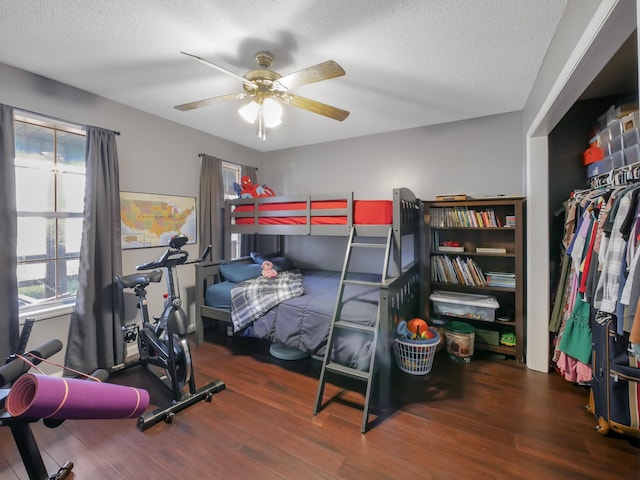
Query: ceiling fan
267, 89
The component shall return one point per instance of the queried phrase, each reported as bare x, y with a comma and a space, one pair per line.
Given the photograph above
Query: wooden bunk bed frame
399, 295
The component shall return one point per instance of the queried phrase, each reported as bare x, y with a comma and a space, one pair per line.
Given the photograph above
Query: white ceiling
408, 63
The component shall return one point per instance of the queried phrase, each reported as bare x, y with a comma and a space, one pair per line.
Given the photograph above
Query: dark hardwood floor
482, 420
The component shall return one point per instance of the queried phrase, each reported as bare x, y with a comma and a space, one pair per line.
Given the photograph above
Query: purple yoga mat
41, 396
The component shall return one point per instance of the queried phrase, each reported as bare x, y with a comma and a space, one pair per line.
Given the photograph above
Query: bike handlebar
174, 256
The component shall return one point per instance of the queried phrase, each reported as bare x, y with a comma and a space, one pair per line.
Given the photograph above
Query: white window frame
63, 304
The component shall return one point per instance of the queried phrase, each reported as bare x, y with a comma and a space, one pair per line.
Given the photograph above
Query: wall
479, 156
155, 156
576, 16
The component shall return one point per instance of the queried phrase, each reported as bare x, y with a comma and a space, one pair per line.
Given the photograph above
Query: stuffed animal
246, 189
267, 270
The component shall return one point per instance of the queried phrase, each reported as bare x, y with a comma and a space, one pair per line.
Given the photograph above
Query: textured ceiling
408, 63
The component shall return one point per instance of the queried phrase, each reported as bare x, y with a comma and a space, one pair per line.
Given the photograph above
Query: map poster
150, 220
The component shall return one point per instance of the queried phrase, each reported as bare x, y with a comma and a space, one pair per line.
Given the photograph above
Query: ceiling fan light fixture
271, 110
250, 112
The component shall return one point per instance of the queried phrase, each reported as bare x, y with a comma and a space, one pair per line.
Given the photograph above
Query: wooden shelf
474, 228
485, 288
509, 238
474, 254
504, 349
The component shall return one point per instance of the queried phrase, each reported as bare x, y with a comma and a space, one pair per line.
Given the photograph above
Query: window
230, 174
50, 179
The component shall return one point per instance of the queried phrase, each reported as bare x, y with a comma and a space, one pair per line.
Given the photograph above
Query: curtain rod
203, 154
57, 119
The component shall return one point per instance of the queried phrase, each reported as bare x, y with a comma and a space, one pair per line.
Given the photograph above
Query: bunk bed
303, 322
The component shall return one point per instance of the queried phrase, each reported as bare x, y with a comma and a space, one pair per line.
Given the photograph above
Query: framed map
150, 220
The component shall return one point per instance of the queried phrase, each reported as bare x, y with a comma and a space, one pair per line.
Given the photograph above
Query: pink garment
573, 370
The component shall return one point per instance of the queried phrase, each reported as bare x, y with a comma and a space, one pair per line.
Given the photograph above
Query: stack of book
458, 270
449, 217
496, 250
501, 279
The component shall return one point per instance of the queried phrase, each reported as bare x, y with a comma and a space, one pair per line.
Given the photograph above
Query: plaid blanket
253, 298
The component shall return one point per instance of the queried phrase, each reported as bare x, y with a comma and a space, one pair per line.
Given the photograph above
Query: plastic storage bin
465, 305
632, 155
631, 137
592, 154
598, 168
616, 144
615, 127
617, 159
489, 337
607, 117
630, 121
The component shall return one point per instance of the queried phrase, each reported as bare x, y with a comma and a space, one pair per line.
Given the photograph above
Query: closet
589, 217
616, 83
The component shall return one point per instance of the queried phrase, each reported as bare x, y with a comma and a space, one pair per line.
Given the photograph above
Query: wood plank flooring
489, 419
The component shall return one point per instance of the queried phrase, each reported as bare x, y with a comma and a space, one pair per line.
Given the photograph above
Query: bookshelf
477, 246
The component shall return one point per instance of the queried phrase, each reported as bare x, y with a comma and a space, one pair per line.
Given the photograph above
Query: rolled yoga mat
42, 396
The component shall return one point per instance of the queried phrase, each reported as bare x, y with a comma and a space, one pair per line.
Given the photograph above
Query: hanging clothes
600, 276
576, 341
606, 296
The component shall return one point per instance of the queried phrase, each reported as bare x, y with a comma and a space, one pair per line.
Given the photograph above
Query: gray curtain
248, 242
9, 228
212, 206
95, 337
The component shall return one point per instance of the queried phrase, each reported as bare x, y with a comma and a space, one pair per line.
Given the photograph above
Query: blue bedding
219, 295
303, 322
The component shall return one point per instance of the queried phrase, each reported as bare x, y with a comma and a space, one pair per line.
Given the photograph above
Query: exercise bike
164, 343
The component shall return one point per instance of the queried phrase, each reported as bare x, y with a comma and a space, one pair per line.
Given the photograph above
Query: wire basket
416, 356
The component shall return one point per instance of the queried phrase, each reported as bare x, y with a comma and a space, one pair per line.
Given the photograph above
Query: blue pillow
239, 272
280, 264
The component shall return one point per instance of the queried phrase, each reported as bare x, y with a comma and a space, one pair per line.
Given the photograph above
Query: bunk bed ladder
338, 324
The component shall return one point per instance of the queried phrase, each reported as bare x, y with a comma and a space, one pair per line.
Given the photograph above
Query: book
491, 250
443, 248
501, 279
451, 196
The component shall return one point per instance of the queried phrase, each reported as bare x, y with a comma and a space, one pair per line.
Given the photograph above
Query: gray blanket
252, 299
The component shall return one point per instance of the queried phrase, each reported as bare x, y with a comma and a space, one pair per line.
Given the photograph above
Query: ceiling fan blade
316, 73
209, 101
223, 70
313, 106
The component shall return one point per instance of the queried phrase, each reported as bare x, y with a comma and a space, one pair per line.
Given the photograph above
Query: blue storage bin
598, 168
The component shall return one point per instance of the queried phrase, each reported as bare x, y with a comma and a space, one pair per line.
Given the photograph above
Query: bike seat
130, 281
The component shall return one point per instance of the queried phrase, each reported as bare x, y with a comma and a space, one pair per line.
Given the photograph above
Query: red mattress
366, 212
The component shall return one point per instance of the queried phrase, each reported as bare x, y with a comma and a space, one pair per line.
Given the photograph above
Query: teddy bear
267, 270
